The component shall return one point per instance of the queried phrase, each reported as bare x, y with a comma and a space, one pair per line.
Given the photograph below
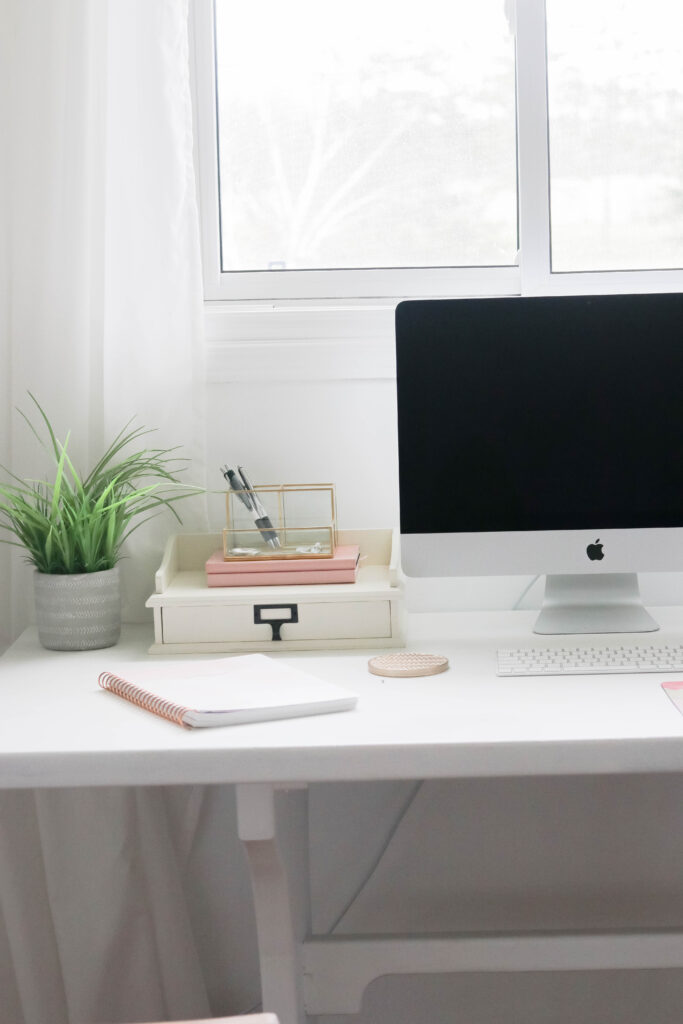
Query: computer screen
541, 435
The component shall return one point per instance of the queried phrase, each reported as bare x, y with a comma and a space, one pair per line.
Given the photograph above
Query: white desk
58, 728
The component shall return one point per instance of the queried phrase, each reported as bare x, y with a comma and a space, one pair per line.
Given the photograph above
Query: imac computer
544, 435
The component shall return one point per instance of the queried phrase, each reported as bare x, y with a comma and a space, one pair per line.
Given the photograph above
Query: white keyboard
588, 661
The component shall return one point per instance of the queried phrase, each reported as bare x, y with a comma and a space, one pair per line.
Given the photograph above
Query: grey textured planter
81, 612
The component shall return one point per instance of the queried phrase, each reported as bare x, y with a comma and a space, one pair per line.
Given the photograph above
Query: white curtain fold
153, 366
101, 313
119, 905
103, 913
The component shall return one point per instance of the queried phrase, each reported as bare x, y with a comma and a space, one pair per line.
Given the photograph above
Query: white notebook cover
227, 691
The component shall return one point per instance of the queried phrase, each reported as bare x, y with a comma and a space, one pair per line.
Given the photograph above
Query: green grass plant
78, 524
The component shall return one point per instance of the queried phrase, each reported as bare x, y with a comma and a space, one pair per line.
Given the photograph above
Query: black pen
245, 493
263, 522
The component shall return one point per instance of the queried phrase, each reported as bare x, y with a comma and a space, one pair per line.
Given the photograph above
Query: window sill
324, 339
297, 341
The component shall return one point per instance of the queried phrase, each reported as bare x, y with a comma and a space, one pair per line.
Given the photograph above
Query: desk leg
281, 901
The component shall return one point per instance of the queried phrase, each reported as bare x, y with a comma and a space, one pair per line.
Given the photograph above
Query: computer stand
588, 603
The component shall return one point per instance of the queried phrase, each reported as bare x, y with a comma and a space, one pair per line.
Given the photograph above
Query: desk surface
58, 728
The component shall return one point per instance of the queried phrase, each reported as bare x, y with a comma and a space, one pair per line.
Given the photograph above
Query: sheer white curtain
100, 318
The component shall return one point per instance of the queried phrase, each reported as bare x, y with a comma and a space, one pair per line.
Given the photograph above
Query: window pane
377, 133
615, 92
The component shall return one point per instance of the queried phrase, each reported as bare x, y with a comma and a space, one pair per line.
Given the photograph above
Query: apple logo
595, 552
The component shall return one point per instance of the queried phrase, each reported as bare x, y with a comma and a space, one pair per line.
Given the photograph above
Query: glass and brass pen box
280, 521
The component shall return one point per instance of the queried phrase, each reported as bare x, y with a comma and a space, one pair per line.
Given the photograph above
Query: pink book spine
279, 579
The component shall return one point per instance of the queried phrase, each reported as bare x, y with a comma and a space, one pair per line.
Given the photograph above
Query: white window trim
327, 337
317, 285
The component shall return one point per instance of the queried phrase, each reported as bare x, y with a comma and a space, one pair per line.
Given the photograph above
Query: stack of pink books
341, 567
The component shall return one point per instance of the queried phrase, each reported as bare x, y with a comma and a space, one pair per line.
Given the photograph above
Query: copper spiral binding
143, 698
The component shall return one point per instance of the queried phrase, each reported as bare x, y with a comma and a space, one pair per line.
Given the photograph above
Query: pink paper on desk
675, 692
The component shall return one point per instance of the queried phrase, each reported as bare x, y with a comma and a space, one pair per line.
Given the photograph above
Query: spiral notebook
227, 691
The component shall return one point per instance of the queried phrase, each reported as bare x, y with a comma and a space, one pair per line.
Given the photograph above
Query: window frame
321, 285
306, 308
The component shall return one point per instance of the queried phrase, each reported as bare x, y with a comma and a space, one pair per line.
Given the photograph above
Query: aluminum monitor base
586, 603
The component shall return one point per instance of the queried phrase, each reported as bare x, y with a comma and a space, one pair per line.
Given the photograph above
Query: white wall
330, 431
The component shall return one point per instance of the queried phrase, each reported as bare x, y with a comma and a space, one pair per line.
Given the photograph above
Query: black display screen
549, 413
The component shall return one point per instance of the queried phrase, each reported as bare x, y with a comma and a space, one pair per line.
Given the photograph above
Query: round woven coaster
407, 664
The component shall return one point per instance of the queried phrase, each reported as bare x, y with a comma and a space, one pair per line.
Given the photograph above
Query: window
615, 82
391, 149
378, 135
363, 151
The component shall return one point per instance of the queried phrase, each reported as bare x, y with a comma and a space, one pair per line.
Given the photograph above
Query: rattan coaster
407, 664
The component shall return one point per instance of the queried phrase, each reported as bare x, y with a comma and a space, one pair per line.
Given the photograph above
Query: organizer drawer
251, 622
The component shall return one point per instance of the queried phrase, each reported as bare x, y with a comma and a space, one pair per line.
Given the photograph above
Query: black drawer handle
273, 620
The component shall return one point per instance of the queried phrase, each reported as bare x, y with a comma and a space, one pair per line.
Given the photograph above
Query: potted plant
72, 528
